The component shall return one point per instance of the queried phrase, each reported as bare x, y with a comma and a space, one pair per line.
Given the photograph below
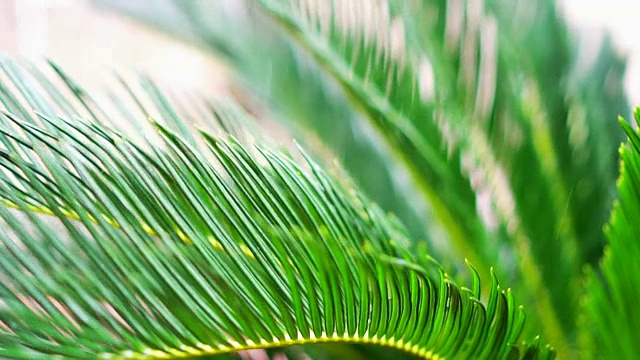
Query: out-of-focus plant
483, 127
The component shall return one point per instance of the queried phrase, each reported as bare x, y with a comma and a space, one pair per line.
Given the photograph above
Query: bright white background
622, 19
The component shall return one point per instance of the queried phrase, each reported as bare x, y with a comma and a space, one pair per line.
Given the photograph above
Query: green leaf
609, 321
368, 57
409, 97
316, 112
526, 103
561, 78
191, 244
525, 149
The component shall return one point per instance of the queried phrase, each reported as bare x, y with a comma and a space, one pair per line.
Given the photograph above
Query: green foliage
150, 249
429, 87
483, 129
613, 288
316, 111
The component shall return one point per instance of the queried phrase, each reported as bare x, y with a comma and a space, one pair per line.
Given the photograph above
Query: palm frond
481, 49
520, 140
420, 115
609, 321
187, 246
564, 112
525, 102
362, 45
316, 112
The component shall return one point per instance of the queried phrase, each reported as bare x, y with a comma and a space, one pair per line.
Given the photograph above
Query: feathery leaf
189, 244
610, 324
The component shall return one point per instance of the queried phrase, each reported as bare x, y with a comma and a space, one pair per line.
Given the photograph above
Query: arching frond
194, 244
362, 45
610, 322
531, 104
459, 74
317, 112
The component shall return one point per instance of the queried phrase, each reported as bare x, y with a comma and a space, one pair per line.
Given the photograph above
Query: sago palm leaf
316, 111
435, 129
525, 102
172, 248
458, 71
362, 45
611, 324
568, 130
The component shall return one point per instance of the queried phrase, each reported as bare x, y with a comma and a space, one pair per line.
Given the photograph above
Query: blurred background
92, 38
87, 39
